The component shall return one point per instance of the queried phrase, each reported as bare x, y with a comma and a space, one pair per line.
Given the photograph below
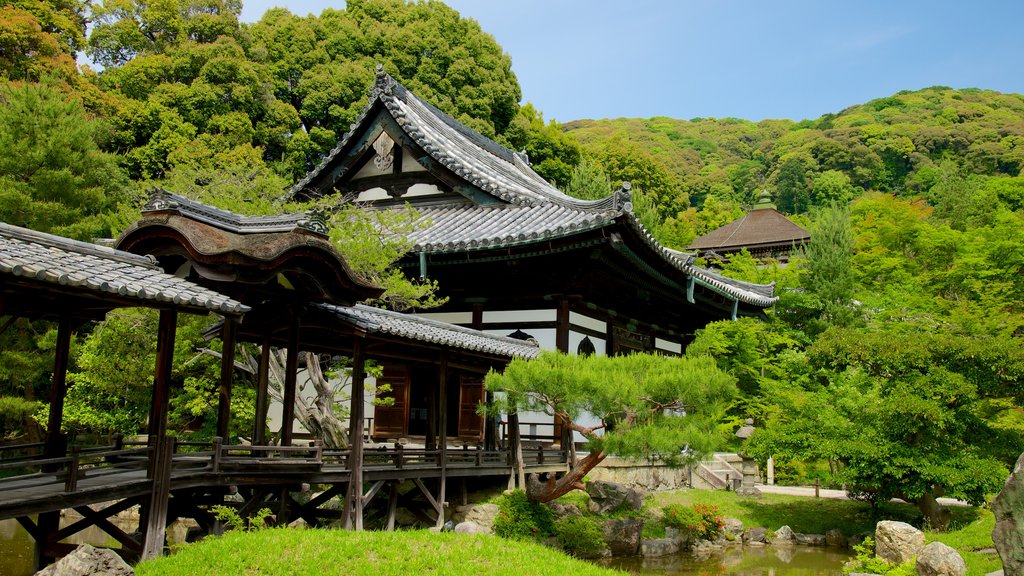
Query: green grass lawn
970, 531
282, 551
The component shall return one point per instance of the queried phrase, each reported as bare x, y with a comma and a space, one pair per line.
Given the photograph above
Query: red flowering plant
702, 521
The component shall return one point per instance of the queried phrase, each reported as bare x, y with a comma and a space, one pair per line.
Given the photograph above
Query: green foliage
865, 561
53, 176
234, 520
640, 399
588, 181
579, 536
14, 416
830, 274
702, 521
520, 519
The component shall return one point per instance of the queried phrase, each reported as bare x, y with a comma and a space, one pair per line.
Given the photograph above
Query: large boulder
835, 538
607, 496
733, 526
897, 542
564, 510
479, 514
658, 547
783, 536
623, 536
1008, 508
468, 527
88, 561
756, 535
811, 539
937, 559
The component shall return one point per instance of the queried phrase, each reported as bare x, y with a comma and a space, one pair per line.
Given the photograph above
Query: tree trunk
937, 516
538, 491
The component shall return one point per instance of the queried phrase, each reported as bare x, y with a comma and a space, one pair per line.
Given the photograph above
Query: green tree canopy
645, 406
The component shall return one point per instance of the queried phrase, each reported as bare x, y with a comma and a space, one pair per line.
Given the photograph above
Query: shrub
866, 562
579, 536
520, 519
700, 521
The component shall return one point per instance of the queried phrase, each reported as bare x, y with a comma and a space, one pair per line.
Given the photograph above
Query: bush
579, 536
700, 521
14, 415
866, 562
520, 519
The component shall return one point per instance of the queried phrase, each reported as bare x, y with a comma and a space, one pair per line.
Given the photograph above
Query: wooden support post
516, 450
392, 505
259, 424
156, 520
443, 436
71, 482
562, 326
162, 379
490, 424
55, 441
354, 500
227, 370
290, 377
46, 526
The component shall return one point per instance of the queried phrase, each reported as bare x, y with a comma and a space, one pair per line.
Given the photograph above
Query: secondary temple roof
519, 207
407, 326
105, 273
761, 228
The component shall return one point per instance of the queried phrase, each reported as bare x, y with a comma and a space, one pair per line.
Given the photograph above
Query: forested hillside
904, 144
893, 362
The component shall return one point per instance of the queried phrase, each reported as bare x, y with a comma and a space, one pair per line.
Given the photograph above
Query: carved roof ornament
316, 221
383, 84
624, 197
160, 199
384, 146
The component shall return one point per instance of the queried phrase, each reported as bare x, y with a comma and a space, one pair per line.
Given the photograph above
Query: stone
448, 526
623, 536
298, 523
937, 559
996, 573
480, 514
859, 538
755, 536
88, 561
607, 496
835, 538
783, 536
1008, 508
562, 510
468, 527
810, 539
658, 547
897, 542
733, 526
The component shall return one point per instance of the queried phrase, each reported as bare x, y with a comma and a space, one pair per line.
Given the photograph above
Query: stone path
833, 494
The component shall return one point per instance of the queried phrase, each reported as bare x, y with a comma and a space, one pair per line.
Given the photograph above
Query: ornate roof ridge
162, 200
519, 183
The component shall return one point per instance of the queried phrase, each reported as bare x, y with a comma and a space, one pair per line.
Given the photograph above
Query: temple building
763, 231
513, 254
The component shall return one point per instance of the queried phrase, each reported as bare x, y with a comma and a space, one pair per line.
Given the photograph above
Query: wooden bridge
99, 482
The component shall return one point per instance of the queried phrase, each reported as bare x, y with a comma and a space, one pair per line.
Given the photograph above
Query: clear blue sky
750, 59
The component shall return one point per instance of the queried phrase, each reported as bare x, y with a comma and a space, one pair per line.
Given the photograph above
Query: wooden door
392, 421
471, 394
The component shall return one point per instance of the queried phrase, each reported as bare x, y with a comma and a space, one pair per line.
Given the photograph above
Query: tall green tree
647, 406
53, 175
829, 267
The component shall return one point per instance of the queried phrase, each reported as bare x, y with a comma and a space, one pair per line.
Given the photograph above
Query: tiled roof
162, 200
407, 326
534, 210
760, 227
60, 261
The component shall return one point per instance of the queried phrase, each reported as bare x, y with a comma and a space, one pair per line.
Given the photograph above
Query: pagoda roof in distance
762, 226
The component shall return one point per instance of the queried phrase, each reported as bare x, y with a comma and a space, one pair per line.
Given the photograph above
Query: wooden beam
562, 325
443, 393
156, 520
372, 492
162, 377
227, 370
355, 427
392, 505
55, 444
259, 425
290, 377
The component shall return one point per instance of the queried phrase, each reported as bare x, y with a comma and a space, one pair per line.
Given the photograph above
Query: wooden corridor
201, 475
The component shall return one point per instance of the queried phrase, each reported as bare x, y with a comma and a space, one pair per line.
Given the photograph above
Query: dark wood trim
259, 427
354, 499
290, 376
443, 397
227, 371
562, 325
55, 444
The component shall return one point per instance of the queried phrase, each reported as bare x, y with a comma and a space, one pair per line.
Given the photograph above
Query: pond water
16, 545
742, 561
